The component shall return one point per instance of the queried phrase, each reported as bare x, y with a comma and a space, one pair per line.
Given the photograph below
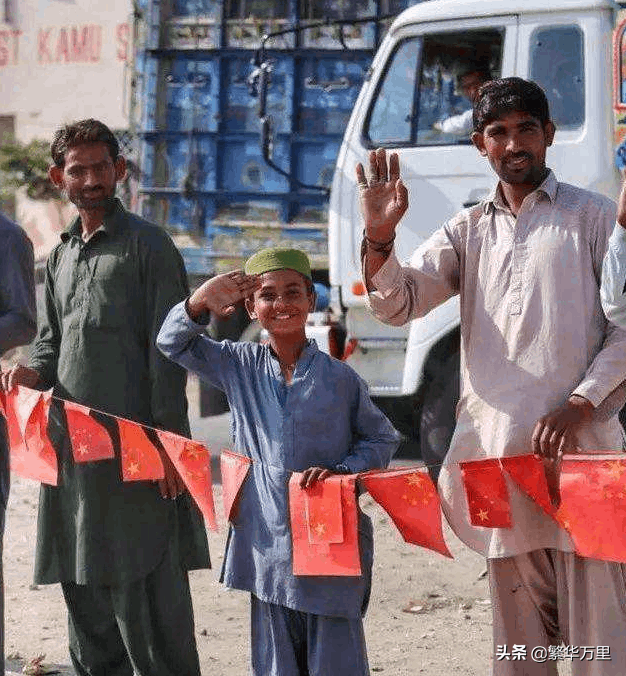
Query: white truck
566, 47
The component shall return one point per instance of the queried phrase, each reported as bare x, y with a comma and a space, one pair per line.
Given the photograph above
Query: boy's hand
221, 293
313, 474
384, 198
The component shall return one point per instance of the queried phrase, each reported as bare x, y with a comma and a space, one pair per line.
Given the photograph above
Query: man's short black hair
509, 95
469, 68
77, 133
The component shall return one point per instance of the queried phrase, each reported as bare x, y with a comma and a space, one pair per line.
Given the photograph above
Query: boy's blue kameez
324, 417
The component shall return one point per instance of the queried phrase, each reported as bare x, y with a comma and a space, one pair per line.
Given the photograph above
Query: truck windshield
425, 95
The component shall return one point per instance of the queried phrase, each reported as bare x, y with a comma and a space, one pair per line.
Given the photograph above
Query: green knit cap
267, 260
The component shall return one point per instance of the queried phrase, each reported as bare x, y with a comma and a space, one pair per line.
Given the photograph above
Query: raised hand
384, 198
221, 293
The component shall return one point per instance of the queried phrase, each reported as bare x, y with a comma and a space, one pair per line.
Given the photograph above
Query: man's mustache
518, 156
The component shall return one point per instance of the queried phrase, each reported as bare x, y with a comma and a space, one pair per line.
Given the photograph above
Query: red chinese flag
37, 441
234, 469
593, 505
324, 516
140, 459
528, 472
193, 462
16, 438
90, 440
32, 454
411, 500
486, 492
321, 557
24, 402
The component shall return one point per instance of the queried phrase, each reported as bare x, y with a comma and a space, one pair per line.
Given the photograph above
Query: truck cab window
425, 94
557, 66
391, 116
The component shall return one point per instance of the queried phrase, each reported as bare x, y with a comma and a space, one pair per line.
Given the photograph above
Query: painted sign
65, 44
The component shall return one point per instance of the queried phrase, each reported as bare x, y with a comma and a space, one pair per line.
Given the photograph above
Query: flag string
603, 455
588, 499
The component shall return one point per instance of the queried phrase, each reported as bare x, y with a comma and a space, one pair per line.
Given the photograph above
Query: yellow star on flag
194, 452
320, 529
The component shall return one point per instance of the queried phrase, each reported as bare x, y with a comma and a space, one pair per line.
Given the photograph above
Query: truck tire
438, 414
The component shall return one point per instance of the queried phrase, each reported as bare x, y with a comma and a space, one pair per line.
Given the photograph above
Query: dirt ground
428, 615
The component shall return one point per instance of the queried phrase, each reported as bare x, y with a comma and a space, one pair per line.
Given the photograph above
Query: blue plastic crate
201, 158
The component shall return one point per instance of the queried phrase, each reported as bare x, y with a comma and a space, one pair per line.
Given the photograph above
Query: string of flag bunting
591, 504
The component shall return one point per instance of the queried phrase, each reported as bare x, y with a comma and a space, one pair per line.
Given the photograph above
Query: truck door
415, 84
417, 97
415, 88
568, 55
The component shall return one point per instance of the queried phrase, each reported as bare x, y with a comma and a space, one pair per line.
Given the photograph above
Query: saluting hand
384, 197
221, 293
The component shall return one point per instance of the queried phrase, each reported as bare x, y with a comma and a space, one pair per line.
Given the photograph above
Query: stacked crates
203, 175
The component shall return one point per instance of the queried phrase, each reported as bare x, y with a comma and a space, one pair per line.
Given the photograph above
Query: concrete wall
62, 60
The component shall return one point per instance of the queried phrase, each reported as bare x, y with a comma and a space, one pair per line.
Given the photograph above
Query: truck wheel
438, 411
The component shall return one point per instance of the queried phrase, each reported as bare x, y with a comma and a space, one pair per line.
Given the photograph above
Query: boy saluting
294, 409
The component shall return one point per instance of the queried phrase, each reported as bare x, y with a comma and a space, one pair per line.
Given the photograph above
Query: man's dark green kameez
120, 550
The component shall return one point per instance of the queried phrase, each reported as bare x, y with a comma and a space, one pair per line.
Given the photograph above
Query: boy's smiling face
282, 304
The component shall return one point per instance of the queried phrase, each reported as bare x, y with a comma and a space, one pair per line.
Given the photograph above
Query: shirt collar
548, 188
91, 234
113, 220
310, 347
307, 354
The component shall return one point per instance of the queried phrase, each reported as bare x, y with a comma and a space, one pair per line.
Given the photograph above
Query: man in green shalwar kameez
121, 551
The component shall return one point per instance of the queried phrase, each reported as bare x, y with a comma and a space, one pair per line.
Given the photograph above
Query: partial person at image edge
18, 326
